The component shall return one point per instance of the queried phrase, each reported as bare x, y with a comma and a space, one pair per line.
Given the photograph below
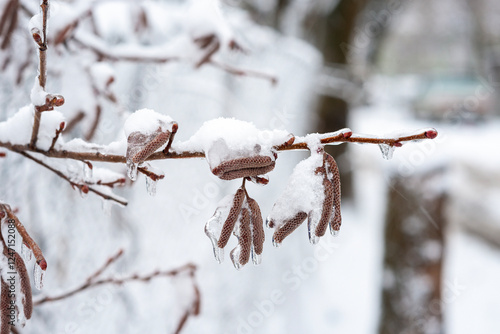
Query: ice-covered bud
347, 134
42, 264
3, 154
84, 189
35, 32
431, 134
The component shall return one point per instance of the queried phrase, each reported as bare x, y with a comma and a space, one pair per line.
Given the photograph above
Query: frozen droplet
256, 258
38, 275
276, 244
213, 229
235, 257
387, 151
26, 252
132, 170
333, 232
151, 186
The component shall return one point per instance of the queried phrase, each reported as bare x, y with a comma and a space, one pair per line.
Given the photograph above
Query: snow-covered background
332, 287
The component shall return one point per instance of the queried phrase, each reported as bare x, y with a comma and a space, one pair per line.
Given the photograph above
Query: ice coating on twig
26, 252
38, 275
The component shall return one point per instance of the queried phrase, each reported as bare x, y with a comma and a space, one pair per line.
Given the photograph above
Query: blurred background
419, 248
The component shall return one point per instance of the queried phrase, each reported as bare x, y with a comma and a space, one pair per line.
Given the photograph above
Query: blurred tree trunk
328, 31
414, 239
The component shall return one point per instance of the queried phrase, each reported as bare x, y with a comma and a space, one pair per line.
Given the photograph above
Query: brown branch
83, 187
153, 176
58, 132
74, 121
37, 252
94, 282
42, 68
96, 155
247, 73
90, 134
106, 265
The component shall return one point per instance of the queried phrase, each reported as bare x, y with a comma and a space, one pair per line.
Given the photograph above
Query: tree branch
92, 281
83, 187
42, 68
300, 144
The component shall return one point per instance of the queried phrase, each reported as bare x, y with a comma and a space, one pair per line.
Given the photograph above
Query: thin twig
96, 155
247, 73
42, 67
82, 187
153, 176
106, 265
117, 281
58, 132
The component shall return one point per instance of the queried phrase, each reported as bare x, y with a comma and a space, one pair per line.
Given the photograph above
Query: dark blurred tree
413, 260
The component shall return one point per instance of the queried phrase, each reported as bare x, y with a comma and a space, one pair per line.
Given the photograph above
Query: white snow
303, 193
17, 129
35, 24
79, 145
38, 94
227, 138
102, 74
147, 122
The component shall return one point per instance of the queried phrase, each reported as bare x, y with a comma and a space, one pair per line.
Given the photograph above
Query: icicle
276, 244
132, 170
312, 222
38, 275
256, 258
106, 207
387, 151
151, 186
26, 252
235, 257
212, 230
333, 232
